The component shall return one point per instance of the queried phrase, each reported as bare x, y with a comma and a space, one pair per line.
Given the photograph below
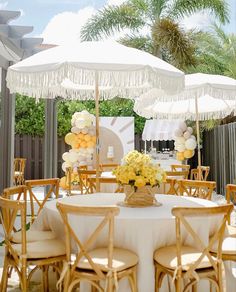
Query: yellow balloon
81, 136
83, 144
75, 145
63, 182
180, 156
93, 138
87, 137
90, 144
70, 138
188, 153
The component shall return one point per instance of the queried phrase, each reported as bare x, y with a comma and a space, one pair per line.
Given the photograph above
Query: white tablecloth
141, 230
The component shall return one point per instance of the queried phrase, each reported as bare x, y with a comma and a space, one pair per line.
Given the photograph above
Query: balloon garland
185, 142
82, 140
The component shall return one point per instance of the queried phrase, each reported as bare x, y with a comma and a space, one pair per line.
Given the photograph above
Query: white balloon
178, 133
65, 156
85, 130
190, 130
75, 130
180, 140
181, 148
190, 144
183, 126
73, 157
65, 165
187, 135
193, 137
82, 163
90, 150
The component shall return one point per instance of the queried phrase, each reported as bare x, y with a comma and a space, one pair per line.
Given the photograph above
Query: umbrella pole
198, 139
97, 132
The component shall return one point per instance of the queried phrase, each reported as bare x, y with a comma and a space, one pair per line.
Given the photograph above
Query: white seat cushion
42, 249
230, 231
167, 257
122, 259
228, 246
33, 235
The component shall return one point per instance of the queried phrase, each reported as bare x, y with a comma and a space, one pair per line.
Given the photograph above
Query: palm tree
165, 39
216, 52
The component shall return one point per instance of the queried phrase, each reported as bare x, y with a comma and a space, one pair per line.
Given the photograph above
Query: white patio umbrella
159, 130
205, 97
109, 68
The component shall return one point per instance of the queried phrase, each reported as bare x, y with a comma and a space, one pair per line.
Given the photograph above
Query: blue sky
49, 17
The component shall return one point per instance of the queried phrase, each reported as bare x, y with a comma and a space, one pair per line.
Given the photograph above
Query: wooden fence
220, 154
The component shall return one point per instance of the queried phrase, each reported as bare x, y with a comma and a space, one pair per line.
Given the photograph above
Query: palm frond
182, 8
112, 19
143, 43
170, 36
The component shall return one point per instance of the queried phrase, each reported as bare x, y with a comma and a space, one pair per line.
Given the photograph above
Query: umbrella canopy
122, 70
208, 97
159, 130
71, 70
208, 108
199, 84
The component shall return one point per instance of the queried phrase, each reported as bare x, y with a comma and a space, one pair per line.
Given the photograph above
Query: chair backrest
180, 167
9, 211
87, 186
19, 170
230, 195
16, 193
197, 188
200, 173
171, 186
108, 166
177, 174
182, 216
107, 214
51, 186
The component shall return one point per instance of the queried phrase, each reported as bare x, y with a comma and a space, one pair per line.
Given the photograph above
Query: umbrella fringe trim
126, 83
186, 116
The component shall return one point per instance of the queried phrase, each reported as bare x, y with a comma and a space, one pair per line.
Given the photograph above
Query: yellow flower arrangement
138, 170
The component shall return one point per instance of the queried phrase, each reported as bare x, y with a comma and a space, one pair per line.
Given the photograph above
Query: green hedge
30, 116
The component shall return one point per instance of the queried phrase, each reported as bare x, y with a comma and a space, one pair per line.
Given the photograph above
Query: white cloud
65, 27
3, 5
115, 2
200, 20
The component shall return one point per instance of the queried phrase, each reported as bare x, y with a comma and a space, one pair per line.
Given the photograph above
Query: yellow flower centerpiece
140, 178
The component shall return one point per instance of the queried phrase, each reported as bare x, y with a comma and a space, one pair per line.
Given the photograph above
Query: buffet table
141, 230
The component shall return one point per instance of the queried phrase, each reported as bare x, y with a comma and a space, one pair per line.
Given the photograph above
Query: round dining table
142, 230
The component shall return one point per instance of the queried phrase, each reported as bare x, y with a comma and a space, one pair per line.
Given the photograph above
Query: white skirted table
141, 230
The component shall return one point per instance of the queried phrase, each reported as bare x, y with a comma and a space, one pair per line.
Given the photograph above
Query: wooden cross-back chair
184, 262
87, 185
108, 264
39, 254
200, 173
230, 195
197, 188
69, 173
19, 194
229, 240
51, 187
108, 166
171, 186
19, 171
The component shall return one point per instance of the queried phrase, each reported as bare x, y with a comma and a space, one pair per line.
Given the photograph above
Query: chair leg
177, 285
5, 274
45, 278
133, 281
158, 275
24, 279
